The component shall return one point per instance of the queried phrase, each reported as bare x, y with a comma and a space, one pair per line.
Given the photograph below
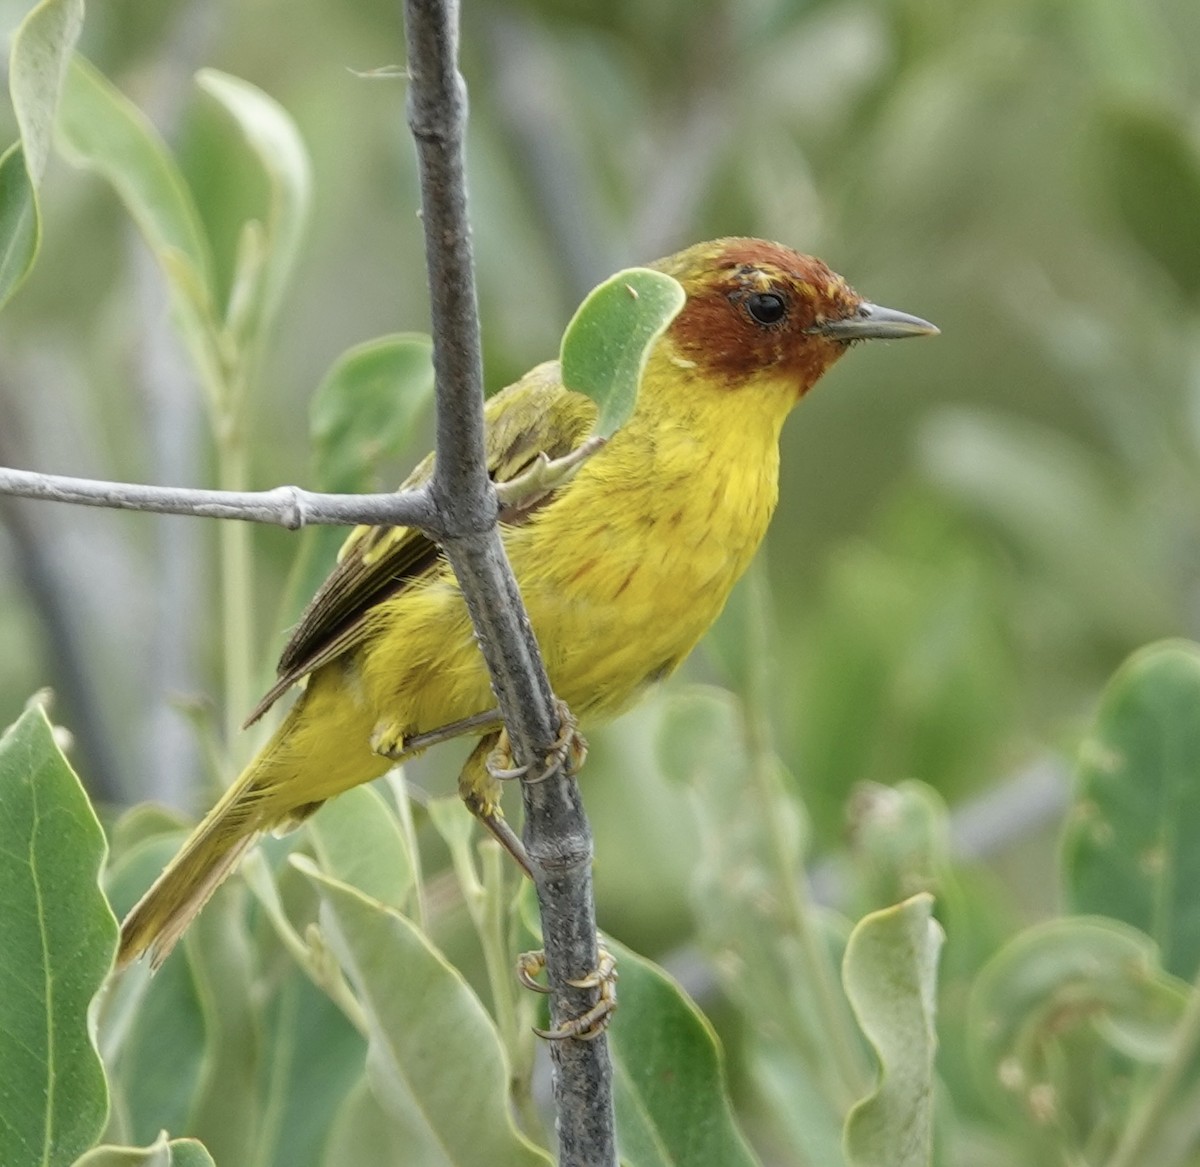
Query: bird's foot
388, 740
591, 1023
565, 756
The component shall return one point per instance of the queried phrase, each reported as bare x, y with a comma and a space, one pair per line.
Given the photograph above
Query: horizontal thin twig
285, 506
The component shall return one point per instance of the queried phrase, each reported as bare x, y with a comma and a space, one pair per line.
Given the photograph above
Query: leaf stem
843, 1042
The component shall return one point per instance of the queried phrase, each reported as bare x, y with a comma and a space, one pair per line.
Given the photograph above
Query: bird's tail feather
210, 854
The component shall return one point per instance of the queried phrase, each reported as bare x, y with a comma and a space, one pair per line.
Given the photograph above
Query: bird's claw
591, 1023
529, 964
493, 763
566, 755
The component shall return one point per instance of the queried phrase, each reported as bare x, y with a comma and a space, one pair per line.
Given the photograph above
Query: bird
622, 569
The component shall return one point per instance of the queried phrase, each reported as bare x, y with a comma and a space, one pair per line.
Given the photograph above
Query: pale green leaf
363, 1133
1068, 976
161, 1153
358, 841
41, 48
102, 130
59, 936
795, 1102
312, 1058
432, 1044
272, 136
227, 1112
152, 1029
20, 223
608, 341
1129, 849
185, 1044
367, 407
673, 1107
890, 975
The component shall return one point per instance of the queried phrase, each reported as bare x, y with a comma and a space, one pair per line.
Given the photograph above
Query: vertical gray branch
556, 830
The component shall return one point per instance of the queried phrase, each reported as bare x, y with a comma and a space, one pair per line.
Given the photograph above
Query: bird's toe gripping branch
566, 755
591, 1023
491, 764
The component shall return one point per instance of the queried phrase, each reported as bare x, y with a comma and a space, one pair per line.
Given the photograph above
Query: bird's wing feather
536, 415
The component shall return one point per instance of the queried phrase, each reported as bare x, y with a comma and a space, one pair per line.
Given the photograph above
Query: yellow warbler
622, 570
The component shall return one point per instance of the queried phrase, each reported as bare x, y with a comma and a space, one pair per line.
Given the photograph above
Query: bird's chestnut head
757, 308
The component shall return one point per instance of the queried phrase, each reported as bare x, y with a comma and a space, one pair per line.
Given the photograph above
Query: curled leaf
607, 343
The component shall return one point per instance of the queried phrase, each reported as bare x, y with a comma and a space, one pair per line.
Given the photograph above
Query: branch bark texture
557, 834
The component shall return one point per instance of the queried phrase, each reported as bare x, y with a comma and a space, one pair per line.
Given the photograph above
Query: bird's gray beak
873, 322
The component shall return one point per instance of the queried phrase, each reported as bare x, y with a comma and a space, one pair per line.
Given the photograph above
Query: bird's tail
210, 854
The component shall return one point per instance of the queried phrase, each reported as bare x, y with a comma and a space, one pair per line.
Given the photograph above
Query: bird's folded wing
534, 416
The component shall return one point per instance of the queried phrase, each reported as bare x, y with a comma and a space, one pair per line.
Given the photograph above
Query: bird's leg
390, 741
480, 789
490, 764
592, 1022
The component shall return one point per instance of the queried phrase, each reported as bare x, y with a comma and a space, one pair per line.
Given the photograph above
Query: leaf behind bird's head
606, 345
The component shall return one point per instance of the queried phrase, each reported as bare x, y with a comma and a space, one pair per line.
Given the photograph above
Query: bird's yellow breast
622, 572
621, 583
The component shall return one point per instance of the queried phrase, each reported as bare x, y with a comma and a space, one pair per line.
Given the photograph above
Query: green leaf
890, 974
795, 1104
363, 413
432, 1044
608, 341
186, 1043
100, 129
20, 222
272, 136
59, 937
901, 839
367, 407
312, 1059
152, 1029
227, 1112
1152, 168
41, 49
673, 1107
1067, 976
161, 1153
359, 842
363, 1133
1130, 847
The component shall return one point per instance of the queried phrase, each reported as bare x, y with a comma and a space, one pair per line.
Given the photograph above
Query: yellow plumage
622, 570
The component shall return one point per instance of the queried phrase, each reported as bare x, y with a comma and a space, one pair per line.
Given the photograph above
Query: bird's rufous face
757, 308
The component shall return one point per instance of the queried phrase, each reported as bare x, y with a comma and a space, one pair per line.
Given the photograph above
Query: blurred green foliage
971, 536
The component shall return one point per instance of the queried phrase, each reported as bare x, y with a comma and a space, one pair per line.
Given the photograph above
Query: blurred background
972, 531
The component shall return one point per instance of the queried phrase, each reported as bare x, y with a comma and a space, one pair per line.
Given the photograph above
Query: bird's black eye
766, 307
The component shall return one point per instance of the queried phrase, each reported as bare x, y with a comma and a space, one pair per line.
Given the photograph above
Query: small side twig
285, 506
